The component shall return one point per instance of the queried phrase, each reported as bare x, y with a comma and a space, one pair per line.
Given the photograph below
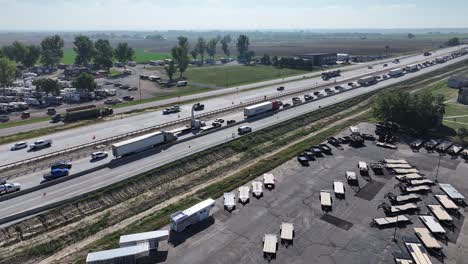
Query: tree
243, 47
84, 49
33, 53
194, 53
170, 70
225, 44
201, 48
211, 48
48, 86
103, 54
7, 72
180, 54
453, 42
124, 53
52, 51
462, 132
411, 35
265, 60
15, 52
85, 82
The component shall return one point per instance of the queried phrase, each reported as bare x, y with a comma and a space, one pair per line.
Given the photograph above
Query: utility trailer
421, 182
454, 150
270, 245
152, 238
257, 188
429, 241
325, 200
417, 144
395, 161
398, 209
269, 180
142, 143
398, 166
409, 189
351, 176
443, 146
440, 213
261, 108
229, 201
446, 202
377, 167
386, 221
405, 171
197, 213
119, 255
339, 188
286, 233
398, 199
244, 194
418, 253
386, 145
409, 176
432, 224
452, 192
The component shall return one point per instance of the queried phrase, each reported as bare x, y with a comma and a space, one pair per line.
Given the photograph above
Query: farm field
141, 55
227, 76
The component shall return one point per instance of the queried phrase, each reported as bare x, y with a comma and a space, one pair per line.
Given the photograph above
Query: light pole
139, 85
438, 166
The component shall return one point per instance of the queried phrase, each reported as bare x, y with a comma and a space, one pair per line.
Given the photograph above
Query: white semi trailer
261, 108
142, 143
396, 72
199, 212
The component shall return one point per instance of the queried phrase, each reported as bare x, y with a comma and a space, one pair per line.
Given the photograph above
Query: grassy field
141, 55
237, 75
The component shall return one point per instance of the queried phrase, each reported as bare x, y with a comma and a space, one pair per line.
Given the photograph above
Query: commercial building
320, 59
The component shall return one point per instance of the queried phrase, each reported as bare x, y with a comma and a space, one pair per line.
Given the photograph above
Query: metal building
320, 59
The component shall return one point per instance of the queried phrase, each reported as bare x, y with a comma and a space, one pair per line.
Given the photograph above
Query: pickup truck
56, 173
41, 144
7, 188
172, 109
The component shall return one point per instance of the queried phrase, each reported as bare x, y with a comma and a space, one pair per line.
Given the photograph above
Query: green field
141, 55
227, 76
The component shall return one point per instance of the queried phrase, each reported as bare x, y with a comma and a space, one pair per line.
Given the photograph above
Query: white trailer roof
362, 165
325, 198
418, 188
421, 182
268, 178
403, 207
418, 253
446, 202
287, 231
193, 210
451, 191
432, 224
351, 175
401, 198
257, 188
338, 187
403, 261
395, 161
426, 237
398, 166
405, 171
117, 253
142, 237
258, 105
229, 199
135, 139
440, 212
391, 220
269, 243
244, 193
354, 129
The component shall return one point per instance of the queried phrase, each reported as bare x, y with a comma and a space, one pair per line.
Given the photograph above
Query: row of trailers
441, 146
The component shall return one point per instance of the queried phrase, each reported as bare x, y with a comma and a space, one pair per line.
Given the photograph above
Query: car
19, 145
6, 188
370, 67
61, 165
134, 88
108, 83
316, 93
117, 84
385, 65
41, 144
219, 120
350, 84
385, 76
25, 115
286, 105
281, 88
4, 118
51, 111
55, 174
232, 121
198, 107
308, 97
244, 130
216, 124
172, 109
109, 101
99, 155
125, 86
128, 98
339, 87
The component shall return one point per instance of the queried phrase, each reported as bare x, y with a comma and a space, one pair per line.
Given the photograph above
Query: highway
119, 169
86, 134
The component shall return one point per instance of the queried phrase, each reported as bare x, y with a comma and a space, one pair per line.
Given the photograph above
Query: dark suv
61, 165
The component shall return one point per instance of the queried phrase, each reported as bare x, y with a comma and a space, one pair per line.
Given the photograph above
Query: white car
9, 188
219, 120
99, 155
19, 145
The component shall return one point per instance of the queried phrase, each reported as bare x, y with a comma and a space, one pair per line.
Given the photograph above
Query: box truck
261, 108
141, 143
396, 72
411, 68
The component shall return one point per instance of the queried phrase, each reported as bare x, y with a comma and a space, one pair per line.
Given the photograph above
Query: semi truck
366, 81
261, 108
142, 143
396, 72
87, 114
411, 68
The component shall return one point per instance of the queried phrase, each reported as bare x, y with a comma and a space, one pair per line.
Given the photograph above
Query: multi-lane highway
82, 135
116, 170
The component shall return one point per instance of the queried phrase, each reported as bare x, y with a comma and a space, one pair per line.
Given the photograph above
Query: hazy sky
234, 14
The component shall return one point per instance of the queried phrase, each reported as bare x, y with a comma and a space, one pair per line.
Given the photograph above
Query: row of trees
288, 62
180, 53
420, 111
49, 86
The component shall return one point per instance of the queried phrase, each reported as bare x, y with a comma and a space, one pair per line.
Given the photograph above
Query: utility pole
438, 166
139, 85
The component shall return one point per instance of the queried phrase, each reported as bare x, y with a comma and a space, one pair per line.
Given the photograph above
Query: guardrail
187, 119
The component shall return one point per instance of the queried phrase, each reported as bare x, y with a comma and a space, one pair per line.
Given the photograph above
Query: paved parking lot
343, 235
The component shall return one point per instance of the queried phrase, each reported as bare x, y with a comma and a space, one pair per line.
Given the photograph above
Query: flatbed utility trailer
440, 213
431, 144
286, 233
418, 253
398, 209
395, 161
452, 192
409, 189
244, 194
398, 166
229, 200
394, 199
270, 245
402, 258
339, 188
386, 145
325, 200
421, 182
387, 221
446, 202
444, 146
269, 180
257, 188
408, 177
405, 171
427, 238
432, 224
417, 144
454, 150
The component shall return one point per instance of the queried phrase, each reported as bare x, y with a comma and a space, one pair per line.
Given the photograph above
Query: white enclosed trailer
119, 255
229, 200
257, 188
270, 243
141, 143
244, 194
268, 180
396, 72
258, 109
152, 238
199, 212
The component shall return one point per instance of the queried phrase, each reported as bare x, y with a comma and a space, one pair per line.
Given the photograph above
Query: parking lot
342, 235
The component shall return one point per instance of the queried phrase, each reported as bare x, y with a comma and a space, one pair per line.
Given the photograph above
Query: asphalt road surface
120, 169
86, 134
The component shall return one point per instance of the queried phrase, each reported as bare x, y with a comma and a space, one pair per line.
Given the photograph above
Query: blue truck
56, 173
